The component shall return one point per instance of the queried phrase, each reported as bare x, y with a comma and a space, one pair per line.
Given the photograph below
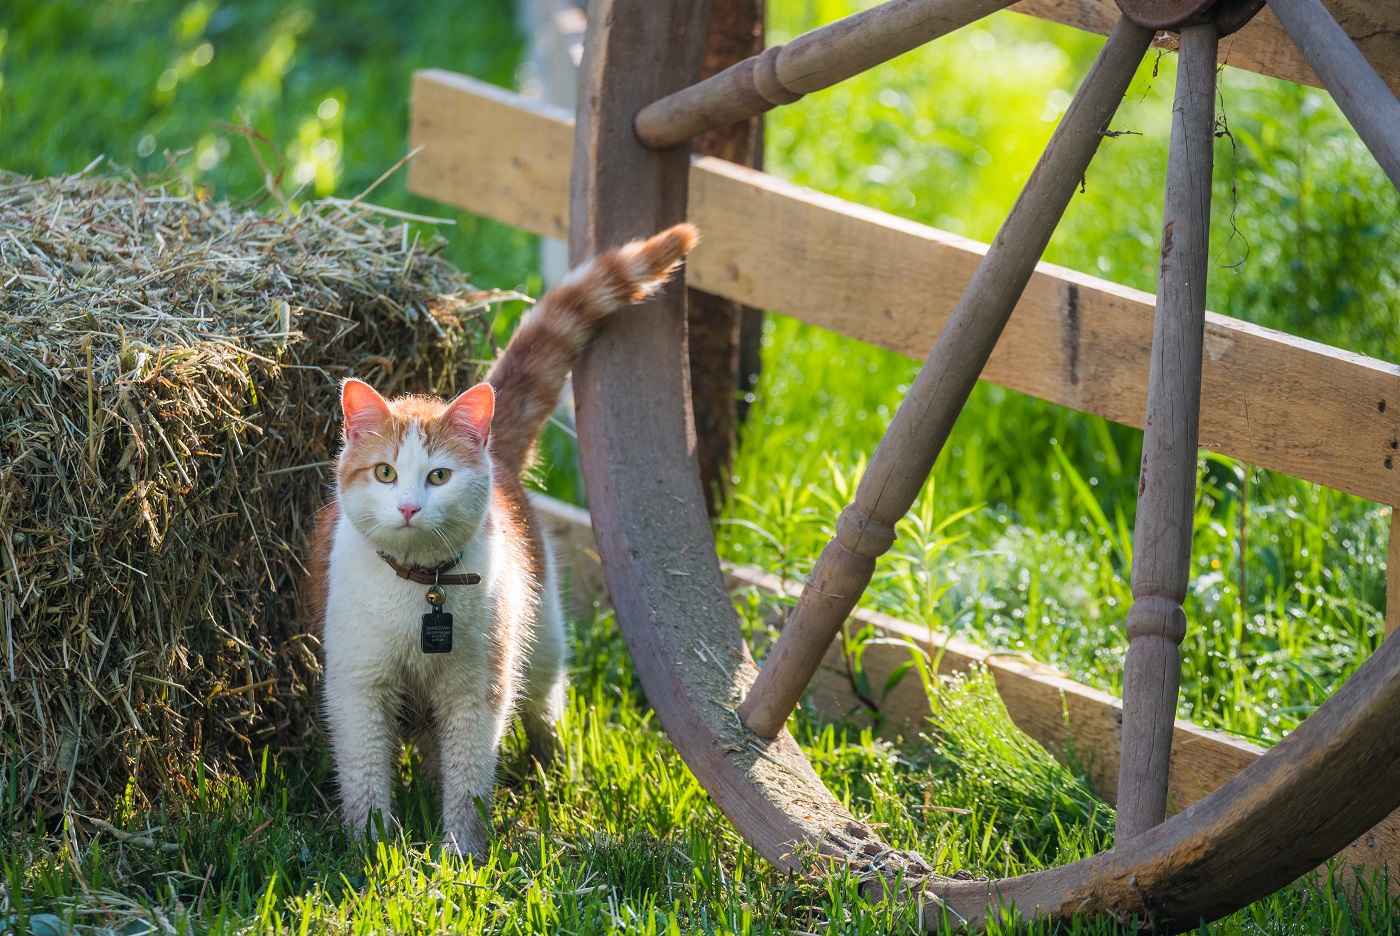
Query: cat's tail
530, 372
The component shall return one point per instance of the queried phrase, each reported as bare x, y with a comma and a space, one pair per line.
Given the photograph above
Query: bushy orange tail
531, 370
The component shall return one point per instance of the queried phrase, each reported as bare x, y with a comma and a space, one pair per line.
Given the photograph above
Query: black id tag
437, 631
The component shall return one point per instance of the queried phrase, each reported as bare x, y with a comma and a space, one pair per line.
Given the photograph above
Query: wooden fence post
723, 335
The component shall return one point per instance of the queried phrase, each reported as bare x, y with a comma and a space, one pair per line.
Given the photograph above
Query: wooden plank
1268, 398
480, 169
1078, 724
1262, 45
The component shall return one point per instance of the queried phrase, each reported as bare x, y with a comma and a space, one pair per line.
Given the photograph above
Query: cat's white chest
374, 619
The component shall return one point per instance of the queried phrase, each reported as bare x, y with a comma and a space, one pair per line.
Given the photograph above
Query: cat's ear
470, 414
366, 412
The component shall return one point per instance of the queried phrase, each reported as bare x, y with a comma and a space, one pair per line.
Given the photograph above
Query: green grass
616, 838
1021, 541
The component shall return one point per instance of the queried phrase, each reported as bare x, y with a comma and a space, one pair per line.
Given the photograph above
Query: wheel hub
1172, 15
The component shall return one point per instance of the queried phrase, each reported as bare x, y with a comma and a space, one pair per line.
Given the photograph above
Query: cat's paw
541, 739
468, 845
369, 826
465, 829
543, 749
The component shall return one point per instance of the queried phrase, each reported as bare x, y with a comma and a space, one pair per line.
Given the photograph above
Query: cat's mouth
411, 533
426, 538
414, 541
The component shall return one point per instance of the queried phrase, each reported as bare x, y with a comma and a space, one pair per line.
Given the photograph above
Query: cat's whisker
445, 541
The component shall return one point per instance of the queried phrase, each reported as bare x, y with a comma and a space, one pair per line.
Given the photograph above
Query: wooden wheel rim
1334, 777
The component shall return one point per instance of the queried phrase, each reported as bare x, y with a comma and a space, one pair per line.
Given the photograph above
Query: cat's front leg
364, 743
542, 704
469, 735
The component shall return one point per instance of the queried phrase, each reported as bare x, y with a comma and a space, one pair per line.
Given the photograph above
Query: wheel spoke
1361, 94
782, 74
1167, 486
905, 455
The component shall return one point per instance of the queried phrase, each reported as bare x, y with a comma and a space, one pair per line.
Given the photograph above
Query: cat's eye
385, 472
439, 476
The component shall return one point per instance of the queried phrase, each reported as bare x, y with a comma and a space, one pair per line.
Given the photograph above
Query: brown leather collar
431, 576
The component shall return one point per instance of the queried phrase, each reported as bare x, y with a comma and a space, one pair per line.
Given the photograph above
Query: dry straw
168, 410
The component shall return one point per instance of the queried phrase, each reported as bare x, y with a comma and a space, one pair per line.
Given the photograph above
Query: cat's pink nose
408, 510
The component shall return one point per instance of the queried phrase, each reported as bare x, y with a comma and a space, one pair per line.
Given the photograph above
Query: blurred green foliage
326, 82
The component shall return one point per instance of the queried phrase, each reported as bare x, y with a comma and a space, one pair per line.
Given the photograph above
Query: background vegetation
620, 837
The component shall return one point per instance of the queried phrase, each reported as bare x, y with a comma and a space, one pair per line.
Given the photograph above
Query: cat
423, 482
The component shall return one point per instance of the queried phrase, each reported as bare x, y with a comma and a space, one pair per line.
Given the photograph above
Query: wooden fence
1274, 400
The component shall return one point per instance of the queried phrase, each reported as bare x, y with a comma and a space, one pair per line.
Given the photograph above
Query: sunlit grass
618, 837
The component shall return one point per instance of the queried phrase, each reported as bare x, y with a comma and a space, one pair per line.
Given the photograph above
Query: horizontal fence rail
1268, 398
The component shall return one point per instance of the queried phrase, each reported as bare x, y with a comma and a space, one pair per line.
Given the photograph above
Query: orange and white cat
432, 489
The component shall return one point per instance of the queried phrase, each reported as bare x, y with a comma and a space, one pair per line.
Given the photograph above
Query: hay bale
168, 415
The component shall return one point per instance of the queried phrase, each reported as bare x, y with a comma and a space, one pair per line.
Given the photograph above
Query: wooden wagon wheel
1333, 778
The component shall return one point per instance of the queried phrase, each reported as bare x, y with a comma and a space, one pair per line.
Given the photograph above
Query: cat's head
414, 475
